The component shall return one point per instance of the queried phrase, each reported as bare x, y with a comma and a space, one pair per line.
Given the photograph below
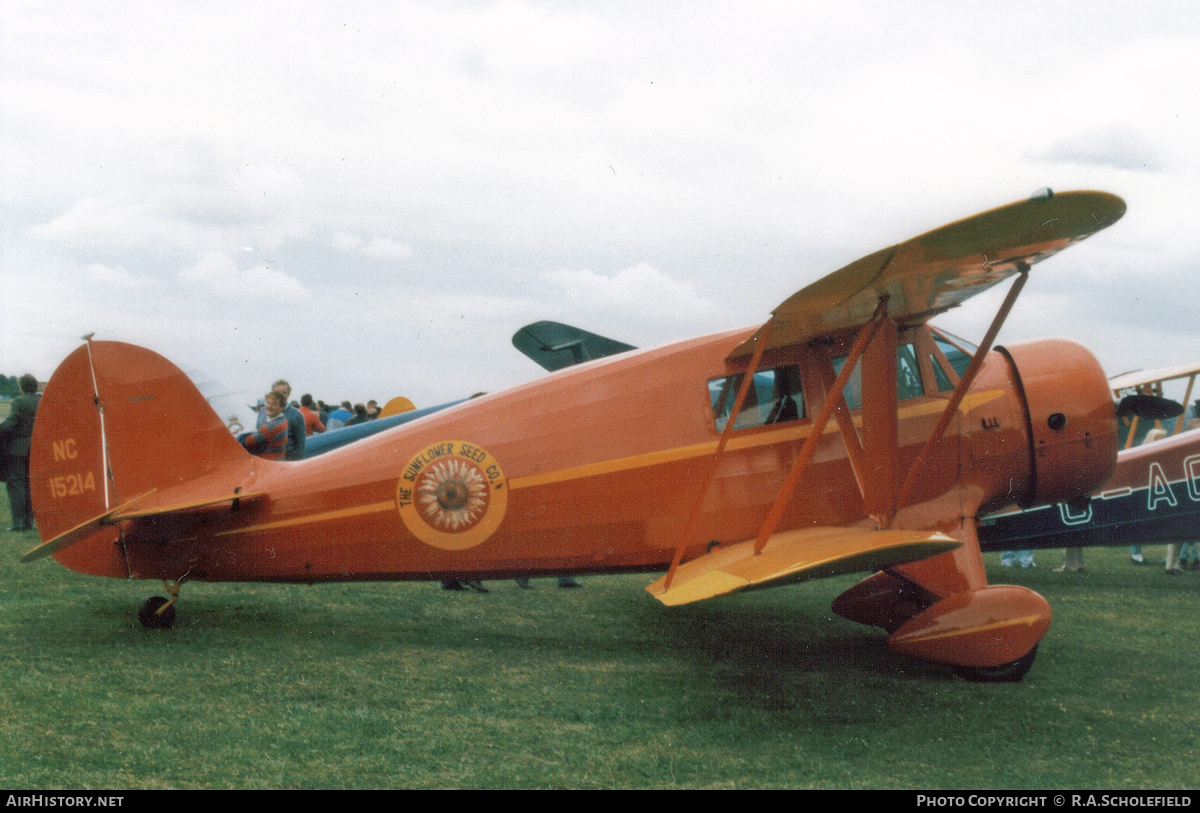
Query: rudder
117, 421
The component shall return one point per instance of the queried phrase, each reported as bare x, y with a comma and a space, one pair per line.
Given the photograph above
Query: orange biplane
844, 435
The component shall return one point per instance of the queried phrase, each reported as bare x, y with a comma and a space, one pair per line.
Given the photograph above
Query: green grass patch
409, 686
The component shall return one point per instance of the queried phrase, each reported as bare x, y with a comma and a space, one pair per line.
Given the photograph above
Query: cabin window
776, 397
958, 357
908, 376
908, 373
944, 384
853, 390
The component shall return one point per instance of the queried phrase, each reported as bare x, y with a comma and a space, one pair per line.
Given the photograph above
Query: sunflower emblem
452, 495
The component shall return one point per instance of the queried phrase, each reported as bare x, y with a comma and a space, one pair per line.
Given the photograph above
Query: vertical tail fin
117, 421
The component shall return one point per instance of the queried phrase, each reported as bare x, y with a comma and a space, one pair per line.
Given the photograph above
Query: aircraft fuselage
596, 468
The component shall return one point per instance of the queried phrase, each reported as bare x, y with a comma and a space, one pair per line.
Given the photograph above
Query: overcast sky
370, 198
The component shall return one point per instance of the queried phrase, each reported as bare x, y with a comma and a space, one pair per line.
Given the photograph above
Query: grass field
410, 686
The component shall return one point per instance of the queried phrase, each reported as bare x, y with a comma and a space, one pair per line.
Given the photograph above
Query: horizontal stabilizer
137, 512
797, 555
137, 508
554, 345
81, 531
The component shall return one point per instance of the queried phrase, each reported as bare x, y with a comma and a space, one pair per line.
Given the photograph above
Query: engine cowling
1070, 418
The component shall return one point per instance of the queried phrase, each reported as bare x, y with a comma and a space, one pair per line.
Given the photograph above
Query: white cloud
1120, 146
94, 222
115, 277
646, 171
379, 247
218, 274
637, 294
346, 242
386, 247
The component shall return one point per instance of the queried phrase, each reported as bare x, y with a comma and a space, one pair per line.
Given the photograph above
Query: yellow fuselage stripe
640, 461
795, 433
308, 519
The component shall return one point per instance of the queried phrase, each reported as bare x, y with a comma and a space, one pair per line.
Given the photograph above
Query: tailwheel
1011, 672
158, 613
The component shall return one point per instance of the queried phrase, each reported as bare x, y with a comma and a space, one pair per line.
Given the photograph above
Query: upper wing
554, 345
1139, 377
938, 270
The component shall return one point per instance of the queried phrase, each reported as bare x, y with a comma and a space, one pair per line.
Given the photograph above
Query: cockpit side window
853, 391
958, 356
944, 384
908, 376
908, 373
775, 397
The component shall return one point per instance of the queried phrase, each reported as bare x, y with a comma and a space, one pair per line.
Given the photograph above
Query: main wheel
1005, 673
151, 618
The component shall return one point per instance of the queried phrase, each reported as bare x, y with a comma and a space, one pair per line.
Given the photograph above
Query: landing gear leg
158, 612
